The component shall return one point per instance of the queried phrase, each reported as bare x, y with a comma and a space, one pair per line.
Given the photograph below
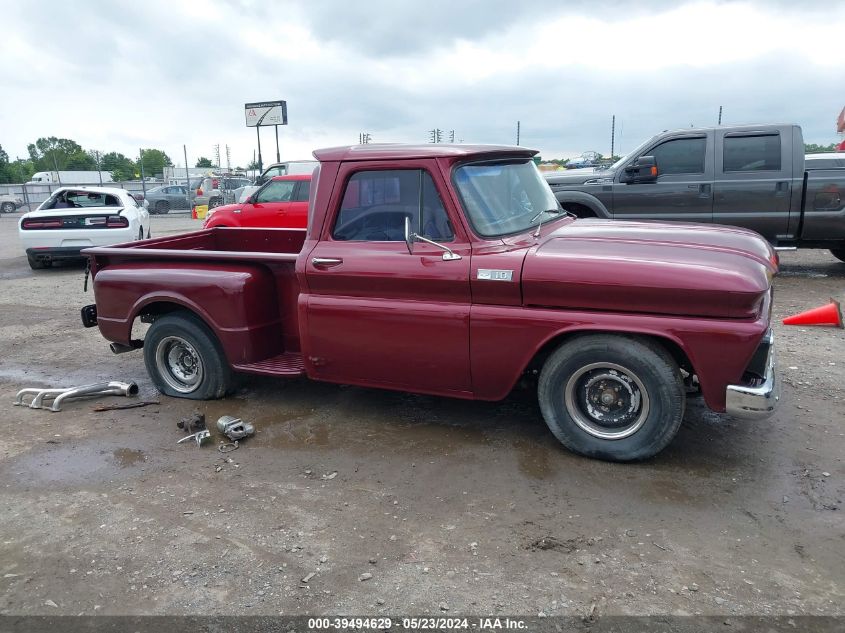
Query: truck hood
659, 268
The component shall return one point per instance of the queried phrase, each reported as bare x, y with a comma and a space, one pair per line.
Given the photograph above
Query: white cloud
160, 74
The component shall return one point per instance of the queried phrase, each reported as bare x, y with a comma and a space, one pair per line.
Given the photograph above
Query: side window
752, 153
680, 156
303, 191
277, 191
376, 203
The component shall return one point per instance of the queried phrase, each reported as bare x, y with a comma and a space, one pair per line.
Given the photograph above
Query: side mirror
643, 169
410, 237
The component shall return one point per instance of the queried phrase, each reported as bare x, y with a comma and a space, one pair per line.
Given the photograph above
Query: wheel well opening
581, 210
669, 345
153, 311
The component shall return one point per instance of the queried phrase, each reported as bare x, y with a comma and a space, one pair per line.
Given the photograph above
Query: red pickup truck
452, 270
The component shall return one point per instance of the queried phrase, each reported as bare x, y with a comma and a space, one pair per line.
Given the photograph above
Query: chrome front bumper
757, 401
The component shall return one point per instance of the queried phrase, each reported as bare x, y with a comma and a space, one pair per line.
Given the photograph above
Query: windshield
504, 197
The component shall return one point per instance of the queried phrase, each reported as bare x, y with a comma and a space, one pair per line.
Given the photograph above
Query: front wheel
162, 207
215, 202
612, 397
7, 207
184, 358
838, 253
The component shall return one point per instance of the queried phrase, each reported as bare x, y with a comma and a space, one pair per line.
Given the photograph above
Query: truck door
684, 186
375, 314
754, 181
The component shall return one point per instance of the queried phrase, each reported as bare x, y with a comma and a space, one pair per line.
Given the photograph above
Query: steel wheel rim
607, 400
179, 364
8, 207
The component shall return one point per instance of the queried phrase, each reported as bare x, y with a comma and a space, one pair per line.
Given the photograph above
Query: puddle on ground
127, 457
536, 460
74, 462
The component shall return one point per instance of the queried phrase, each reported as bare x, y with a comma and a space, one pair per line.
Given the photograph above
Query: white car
74, 218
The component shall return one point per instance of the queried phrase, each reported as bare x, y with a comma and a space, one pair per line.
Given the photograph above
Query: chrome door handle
326, 261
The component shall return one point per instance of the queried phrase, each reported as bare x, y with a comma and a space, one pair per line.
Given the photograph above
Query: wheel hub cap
606, 400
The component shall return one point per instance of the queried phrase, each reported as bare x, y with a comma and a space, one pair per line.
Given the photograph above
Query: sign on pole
266, 113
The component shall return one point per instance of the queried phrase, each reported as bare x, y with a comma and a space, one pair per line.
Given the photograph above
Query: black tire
162, 206
38, 264
185, 359
838, 253
215, 202
639, 374
140, 232
7, 207
149, 232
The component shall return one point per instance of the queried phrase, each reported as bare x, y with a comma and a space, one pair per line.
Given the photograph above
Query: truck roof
398, 151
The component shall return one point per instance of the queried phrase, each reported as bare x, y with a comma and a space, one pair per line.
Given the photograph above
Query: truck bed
259, 332
242, 244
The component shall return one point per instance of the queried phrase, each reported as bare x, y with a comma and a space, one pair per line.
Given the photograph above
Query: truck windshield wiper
556, 211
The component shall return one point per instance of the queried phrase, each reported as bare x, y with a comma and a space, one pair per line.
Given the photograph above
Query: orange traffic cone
194, 212
830, 314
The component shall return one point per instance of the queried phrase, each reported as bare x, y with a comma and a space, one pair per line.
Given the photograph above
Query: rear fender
238, 302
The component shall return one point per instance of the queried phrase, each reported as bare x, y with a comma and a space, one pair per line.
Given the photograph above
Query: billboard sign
266, 113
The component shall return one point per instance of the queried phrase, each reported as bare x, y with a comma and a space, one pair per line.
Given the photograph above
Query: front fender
585, 199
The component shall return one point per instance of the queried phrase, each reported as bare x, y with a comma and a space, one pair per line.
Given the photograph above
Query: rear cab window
376, 203
753, 152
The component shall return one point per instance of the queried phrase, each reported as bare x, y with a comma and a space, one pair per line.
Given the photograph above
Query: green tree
812, 148
155, 161
120, 167
204, 162
5, 176
252, 165
50, 153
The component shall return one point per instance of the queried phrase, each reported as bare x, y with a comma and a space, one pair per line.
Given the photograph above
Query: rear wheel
185, 359
612, 397
215, 202
38, 264
7, 207
162, 206
838, 253
141, 233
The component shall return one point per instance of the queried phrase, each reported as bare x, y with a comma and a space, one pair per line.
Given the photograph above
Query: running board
288, 364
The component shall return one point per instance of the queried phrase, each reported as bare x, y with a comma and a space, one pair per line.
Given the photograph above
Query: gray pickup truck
752, 176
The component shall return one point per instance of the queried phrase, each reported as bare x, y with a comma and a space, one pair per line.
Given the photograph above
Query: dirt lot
450, 506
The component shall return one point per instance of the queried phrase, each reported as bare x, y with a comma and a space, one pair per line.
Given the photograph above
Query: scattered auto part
200, 437
194, 423
59, 396
234, 428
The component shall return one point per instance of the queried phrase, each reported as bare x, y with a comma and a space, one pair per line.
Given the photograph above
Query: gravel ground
352, 500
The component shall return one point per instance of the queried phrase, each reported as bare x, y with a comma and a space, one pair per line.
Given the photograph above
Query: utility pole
435, 135
228, 159
517, 132
720, 115
99, 171
451, 136
278, 156
612, 136
217, 155
187, 176
143, 178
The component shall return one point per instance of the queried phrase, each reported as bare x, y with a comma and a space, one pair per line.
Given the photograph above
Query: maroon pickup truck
452, 270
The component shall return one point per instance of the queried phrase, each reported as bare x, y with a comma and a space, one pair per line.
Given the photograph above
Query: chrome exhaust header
59, 396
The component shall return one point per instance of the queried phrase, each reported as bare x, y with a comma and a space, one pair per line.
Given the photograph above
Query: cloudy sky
116, 75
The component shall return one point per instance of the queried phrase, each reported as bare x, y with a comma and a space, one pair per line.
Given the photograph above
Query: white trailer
70, 178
